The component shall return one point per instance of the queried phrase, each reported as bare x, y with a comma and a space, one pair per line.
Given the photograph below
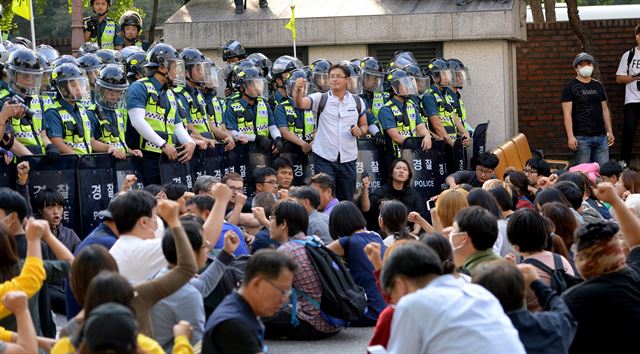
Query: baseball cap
582, 57
111, 326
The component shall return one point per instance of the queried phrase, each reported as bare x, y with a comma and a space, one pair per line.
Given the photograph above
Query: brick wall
63, 45
544, 66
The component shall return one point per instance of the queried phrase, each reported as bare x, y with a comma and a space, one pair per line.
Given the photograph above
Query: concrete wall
335, 53
492, 93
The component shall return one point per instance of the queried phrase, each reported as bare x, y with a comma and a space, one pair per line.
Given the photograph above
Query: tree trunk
550, 10
536, 10
77, 27
152, 27
582, 33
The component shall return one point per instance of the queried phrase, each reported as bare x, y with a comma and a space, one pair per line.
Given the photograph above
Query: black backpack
341, 298
560, 280
231, 280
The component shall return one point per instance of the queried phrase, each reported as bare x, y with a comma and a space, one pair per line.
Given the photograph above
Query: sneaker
239, 10
264, 4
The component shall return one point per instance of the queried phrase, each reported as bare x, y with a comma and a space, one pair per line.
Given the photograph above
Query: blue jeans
344, 174
592, 149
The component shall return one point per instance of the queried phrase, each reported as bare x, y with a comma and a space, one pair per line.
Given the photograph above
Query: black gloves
263, 142
378, 139
278, 144
53, 154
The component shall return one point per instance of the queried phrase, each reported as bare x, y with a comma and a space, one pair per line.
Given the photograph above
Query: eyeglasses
284, 293
530, 170
451, 235
236, 189
336, 77
269, 182
483, 171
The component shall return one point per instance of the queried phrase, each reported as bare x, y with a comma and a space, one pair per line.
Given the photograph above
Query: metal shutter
274, 53
423, 52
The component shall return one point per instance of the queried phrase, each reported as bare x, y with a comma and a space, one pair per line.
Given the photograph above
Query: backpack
342, 298
560, 280
325, 97
231, 280
632, 53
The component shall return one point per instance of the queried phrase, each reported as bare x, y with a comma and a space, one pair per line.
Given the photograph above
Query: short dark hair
412, 260
324, 181
550, 195
394, 215
488, 160
268, 263
483, 198
504, 281
11, 201
442, 247
579, 178
202, 202
571, 192
541, 166
590, 234
131, 206
610, 169
232, 176
154, 189
480, 225
294, 214
47, 197
8, 255
307, 193
194, 234
520, 181
528, 230
204, 183
503, 198
261, 173
282, 162
636, 30
265, 200
175, 190
341, 67
345, 219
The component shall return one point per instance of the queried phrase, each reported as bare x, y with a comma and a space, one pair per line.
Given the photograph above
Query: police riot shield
302, 166
175, 171
429, 167
479, 142
96, 186
197, 163
59, 175
7, 174
458, 157
244, 159
129, 166
369, 163
209, 162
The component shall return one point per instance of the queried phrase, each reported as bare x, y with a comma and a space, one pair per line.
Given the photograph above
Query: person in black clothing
550, 331
399, 188
607, 304
485, 170
235, 327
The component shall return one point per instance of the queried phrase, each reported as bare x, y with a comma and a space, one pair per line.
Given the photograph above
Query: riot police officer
153, 112
48, 51
102, 29
68, 124
135, 67
215, 106
460, 78
46, 90
233, 51
249, 118
280, 72
400, 116
231, 91
373, 95
108, 56
131, 28
296, 125
91, 64
320, 75
88, 47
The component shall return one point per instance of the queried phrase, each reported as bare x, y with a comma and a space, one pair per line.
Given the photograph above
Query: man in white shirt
335, 147
441, 313
628, 74
138, 252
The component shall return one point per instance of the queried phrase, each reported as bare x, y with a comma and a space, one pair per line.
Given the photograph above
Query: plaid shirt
305, 279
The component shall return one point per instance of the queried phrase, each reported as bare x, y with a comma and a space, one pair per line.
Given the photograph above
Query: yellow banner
291, 25
22, 8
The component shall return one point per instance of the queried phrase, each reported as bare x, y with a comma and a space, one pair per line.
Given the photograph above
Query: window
423, 52
275, 53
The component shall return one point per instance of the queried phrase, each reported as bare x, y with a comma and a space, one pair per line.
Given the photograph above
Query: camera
28, 112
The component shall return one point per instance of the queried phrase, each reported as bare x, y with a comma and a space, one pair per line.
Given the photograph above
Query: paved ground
351, 340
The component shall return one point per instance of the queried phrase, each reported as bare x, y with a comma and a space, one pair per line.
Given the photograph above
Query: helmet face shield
76, 89
462, 78
291, 87
25, 82
320, 82
372, 81
256, 87
176, 72
444, 77
200, 73
354, 84
45, 85
215, 78
109, 96
405, 86
422, 83
92, 75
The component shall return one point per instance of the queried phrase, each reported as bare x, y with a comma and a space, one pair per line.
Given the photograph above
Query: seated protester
485, 170
284, 172
399, 188
486, 200
204, 184
263, 205
239, 211
505, 202
265, 181
202, 206
309, 198
157, 190
448, 204
472, 236
606, 305
288, 225
25, 340
572, 193
348, 227
393, 222
266, 287
550, 331
521, 184
187, 304
49, 204
326, 187
610, 172
565, 225
590, 206
179, 193
536, 168
628, 183
528, 233
440, 313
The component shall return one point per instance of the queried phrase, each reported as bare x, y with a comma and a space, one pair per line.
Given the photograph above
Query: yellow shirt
147, 345
29, 280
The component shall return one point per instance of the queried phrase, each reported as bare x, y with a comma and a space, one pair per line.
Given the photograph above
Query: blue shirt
280, 114
231, 121
242, 247
429, 102
278, 99
388, 120
53, 121
107, 114
137, 93
117, 40
361, 269
263, 240
368, 102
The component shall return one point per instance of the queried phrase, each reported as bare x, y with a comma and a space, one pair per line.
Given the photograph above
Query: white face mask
586, 71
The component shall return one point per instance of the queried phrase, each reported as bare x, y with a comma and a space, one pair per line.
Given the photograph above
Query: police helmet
111, 86
233, 49
401, 83
130, 18
65, 74
24, 72
65, 59
88, 47
127, 51
160, 54
262, 62
439, 71
284, 64
48, 51
135, 65
294, 75
108, 56
320, 75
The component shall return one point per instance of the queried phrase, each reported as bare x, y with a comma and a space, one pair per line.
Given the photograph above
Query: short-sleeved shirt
117, 39
231, 121
53, 121
586, 112
468, 177
242, 247
280, 114
429, 103
333, 137
388, 120
631, 93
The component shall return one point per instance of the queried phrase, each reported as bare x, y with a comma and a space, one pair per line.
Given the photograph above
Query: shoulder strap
557, 260
358, 104
632, 53
321, 104
536, 263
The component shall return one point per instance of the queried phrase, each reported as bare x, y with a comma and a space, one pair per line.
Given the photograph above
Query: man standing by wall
628, 74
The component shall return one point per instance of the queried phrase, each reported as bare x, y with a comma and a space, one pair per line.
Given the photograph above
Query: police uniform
107, 35
192, 101
249, 119
435, 102
27, 131
277, 99
301, 122
109, 127
215, 108
71, 123
458, 105
396, 114
374, 102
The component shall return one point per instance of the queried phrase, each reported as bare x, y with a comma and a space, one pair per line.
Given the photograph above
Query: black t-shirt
607, 309
586, 112
232, 336
467, 177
